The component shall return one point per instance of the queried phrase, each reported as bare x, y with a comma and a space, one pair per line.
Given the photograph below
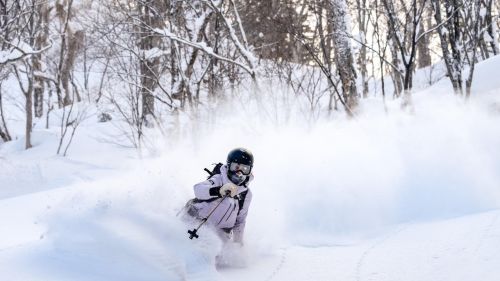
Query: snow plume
342, 177
117, 229
313, 185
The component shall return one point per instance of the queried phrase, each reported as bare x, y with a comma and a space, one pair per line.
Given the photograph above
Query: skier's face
237, 177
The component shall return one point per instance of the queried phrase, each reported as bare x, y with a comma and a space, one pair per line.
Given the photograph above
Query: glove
229, 189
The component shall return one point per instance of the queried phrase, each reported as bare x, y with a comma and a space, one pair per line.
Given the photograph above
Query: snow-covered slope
464, 248
386, 196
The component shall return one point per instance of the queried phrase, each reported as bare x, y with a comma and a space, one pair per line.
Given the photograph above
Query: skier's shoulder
215, 179
215, 175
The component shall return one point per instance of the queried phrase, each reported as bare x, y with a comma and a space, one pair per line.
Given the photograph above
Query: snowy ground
387, 196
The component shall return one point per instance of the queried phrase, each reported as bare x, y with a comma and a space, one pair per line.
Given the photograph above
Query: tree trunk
4, 132
396, 76
40, 42
362, 58
62, 76
29, 112
423, 45
490, 28
74, 45
149, 13
28, 105
343, 51
394, 46
38, 96
449, 31
214, 84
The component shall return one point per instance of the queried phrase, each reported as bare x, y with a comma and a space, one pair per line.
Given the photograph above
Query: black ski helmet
241, 156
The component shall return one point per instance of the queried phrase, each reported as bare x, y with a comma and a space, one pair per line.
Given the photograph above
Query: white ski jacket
228, 215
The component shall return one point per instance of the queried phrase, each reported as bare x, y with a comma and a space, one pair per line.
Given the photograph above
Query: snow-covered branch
242, 47
202, 46
19, 51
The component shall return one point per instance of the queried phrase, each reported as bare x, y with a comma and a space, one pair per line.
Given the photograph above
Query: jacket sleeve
239, 226
209, 188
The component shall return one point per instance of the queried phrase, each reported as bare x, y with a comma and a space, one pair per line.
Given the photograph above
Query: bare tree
338, 20
70, 45
268, 22
381, 45
363, 19
130, 55
423, 45
150, 17
460, 34
489, 38
20, 29
40, 42
404, 20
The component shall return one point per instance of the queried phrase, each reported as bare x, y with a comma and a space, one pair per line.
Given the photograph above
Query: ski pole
193, 233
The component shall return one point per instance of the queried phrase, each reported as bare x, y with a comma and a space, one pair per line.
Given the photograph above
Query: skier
223, 199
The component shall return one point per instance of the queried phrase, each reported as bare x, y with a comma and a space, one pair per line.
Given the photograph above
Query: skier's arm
208, 189
239, 226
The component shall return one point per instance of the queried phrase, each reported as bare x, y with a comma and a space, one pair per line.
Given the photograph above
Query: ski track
486, 232
429, 249
379, 242
279, 266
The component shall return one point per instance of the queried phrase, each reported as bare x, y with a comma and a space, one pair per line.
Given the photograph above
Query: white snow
386, 196
16, 51
154, 53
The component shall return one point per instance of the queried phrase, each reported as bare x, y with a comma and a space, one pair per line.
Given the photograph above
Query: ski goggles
235, 167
